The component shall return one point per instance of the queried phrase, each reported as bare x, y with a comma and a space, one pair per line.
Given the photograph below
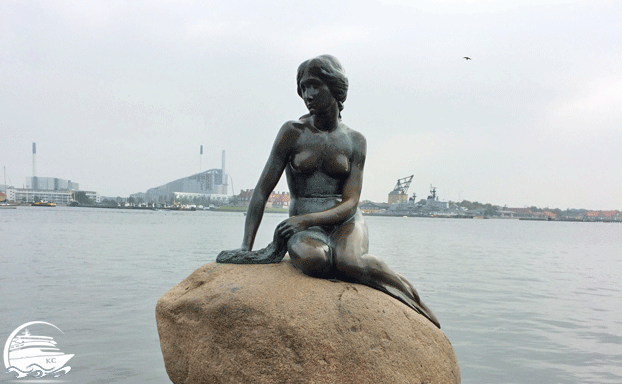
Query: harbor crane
403, 184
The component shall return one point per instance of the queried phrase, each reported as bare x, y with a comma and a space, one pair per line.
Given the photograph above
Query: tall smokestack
201, 159
224, 175
34, 173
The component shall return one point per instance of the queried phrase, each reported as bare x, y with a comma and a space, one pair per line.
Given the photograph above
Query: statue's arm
350, 197
267, 182
354, 184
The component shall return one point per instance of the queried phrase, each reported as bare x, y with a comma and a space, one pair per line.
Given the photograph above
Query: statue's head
328, 69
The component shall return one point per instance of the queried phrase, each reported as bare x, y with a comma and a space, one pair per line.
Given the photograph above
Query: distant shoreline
286, 211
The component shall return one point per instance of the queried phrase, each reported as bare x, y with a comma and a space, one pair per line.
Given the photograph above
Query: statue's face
316, 94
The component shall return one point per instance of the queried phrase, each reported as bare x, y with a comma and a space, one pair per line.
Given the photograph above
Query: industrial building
50, 189
211, 184
50, 184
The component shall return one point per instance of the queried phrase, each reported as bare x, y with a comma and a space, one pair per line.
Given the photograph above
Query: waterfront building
244, 198
547, 215
51, 189
275, 200
59, 197
369, 207
213, 197
603, 215
518, 212
278, 200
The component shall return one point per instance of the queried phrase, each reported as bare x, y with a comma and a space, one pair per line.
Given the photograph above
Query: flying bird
466, 58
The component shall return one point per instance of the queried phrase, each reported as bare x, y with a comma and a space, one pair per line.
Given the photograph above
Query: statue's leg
311, 253
353, 263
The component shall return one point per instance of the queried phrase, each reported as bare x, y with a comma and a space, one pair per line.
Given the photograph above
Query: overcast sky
120, 95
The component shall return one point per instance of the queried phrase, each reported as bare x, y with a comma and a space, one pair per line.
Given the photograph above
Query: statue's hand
288, 228
233, 255
268, 255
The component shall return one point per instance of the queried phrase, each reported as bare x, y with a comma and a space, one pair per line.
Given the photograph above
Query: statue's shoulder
291, 130
296, 126
357, 137
302, 122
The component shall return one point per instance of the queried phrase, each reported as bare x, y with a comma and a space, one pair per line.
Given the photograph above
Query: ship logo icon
29, 355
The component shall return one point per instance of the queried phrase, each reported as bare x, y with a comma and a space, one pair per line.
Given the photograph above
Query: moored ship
43, 204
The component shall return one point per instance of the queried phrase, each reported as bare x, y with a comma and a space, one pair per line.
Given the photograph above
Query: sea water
520, 301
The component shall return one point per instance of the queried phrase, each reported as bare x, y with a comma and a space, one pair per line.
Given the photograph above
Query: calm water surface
521, 301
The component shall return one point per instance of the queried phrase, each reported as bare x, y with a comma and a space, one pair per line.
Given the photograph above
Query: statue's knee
315, 261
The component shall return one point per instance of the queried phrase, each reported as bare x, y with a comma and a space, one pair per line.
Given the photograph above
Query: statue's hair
328, 69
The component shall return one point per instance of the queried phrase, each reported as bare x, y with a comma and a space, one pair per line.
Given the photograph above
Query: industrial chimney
224, 175
34, 173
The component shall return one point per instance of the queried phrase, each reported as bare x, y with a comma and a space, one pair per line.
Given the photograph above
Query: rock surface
271, 324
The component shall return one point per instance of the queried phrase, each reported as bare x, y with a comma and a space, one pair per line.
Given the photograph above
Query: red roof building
278, 200
600, 215
547, 214
275, 200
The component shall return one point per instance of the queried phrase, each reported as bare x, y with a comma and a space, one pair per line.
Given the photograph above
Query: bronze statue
323, 159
